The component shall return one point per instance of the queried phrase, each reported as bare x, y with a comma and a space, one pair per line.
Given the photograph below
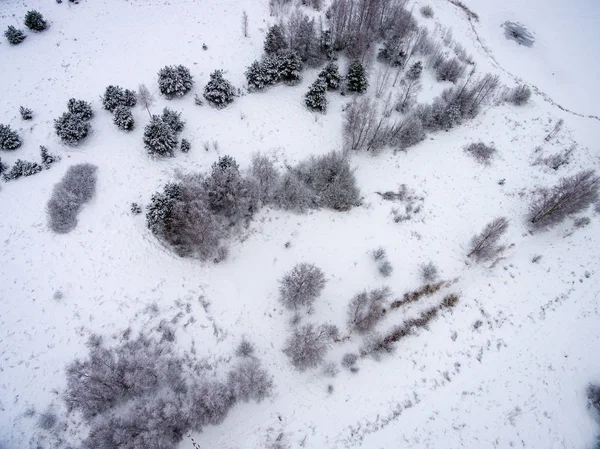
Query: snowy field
507, 367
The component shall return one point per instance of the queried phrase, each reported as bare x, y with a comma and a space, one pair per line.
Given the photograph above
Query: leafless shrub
449, 70
379, 254
245, 349
366, 309
481, 152
265, 173
569, 196
429, 272
415, 295
581, 222
519, 95
308, 345
555, 130
536, 258
47, 420
559, 159
349, 360
385, 268
484, 246
330, 369
301, 286
360, 121
145, 98
249, 380
427, 11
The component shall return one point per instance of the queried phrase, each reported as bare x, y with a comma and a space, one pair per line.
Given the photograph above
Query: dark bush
174, 81
349, 360
449, 70
186, 146
289, 66
245, 349
135, 208
47, 420
308, 345
427, 11
366, 309
81, 108
301, 286
275, 40
22, 168
331, 75
385, 268
76, 188
293, 194
519, 95
123, 118
9, 139
116, 96
356, 79
47, 158
266, 177
159, 138
481, 152
570, 196
173, 119
379, 254
484, 246
26, 113
210, 403
429, 272
71, 128
35, 21
14, 36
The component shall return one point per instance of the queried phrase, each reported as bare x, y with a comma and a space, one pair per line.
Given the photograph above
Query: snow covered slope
507, 367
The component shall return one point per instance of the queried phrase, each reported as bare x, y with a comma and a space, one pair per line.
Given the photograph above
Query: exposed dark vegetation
9, 139
14, 36
519, 95
26, 113
34, 20
481, 152
484, 246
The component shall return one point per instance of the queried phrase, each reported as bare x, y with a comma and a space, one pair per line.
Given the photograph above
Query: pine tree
35, 21
316, 97
175, 81
123, 118
414, 73
275, 40
115, 96
219, 92
173, 119
331, 75
71, 128
80, 108
47, 158
14, 36
22, 168
9, 139
289, 66
356, 80
26, 113
159, 138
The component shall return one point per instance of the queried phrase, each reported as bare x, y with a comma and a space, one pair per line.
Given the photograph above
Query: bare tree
245, 23
359, 122
145, 98
367, 308
484, 246
249, 380
308, 345
569, 196
381, 81
407, 97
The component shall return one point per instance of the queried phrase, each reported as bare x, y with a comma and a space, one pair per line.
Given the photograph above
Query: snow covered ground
517, 379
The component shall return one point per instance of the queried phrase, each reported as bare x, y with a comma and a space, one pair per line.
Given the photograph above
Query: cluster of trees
196, 213
141, 394
28, 168
160, 135
9, 139
119, 102
34, 20
73, 126
76, 188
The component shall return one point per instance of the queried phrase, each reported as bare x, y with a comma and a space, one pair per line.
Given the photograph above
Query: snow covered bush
186, 146
258, 76
519, 95
123, 118
71, 128
293, 194
266, 177
249, 380
81, 108
308, 345
301, 286
9, 139
116, 96
245, 349
34, 20
3, 167
135, 208
484, 246
331, 179
275, 40
349, 360
210, 403
218, 91
570, 196
47, 158
26, 113
316, 97
427, 11
160, 210
159, 138
449, 70
173, 119
289, 67
22, 168
175, 81
409, 133
366, 309
14, 36
47, 420
331, 75
481, 152
356, 79
429, 272
385, 268
76, 188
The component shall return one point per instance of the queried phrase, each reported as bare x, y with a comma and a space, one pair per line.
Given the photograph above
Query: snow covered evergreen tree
289, 66
316, 97
414, 73
218, 91
159, 138
81, 108
331, 75
9, 139
175, 81
47, 158
35, 21
185, 146
275, 40
173, 119
356, 80
22, 168
115, 96
26, 113
123, 118
261, 74
3, 167
71, 128
14, 36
